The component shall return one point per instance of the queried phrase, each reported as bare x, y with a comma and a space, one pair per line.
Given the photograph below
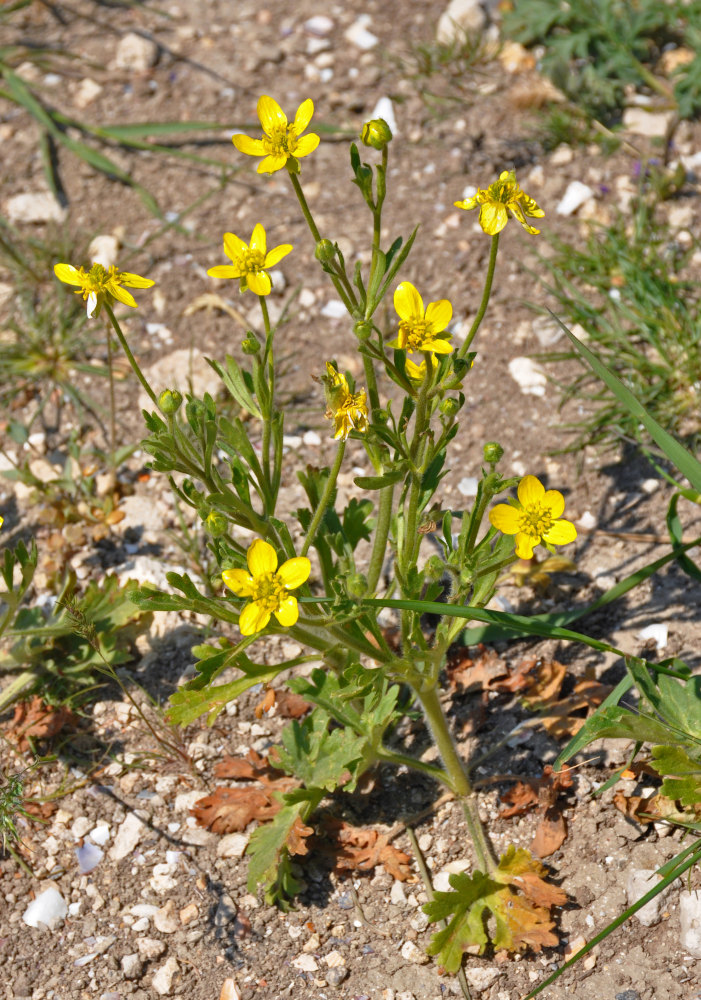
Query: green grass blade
674, 526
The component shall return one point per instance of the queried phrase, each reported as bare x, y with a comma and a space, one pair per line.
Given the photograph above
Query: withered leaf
550, 833
468, 674
34, 720
289, 705
542, 793
297, 838
230, 810
361, 849
252, 767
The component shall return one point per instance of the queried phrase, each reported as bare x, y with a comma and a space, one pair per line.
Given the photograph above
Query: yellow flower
280, 142
267, 586
534, 518
2, 521
419, 327
248, 262
348, 410
417, 373
101, 284
500, 198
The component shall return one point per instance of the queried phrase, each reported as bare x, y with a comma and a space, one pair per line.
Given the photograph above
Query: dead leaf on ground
230, 810
641, 808
252, 767
560, 719
356, 848
35, 720
468, 674
297, 838
542, 793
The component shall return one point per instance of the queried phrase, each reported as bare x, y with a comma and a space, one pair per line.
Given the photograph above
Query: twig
361, 915
403, 824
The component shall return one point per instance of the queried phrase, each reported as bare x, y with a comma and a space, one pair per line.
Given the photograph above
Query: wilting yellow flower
348, 410
100, 284
535, 518
280, 142
500, 198
268, 587
248, 262
419, 327
417, 373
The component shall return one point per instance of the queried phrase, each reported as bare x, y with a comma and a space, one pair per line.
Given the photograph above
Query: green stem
267, 417
379, 545
304, 206
325, 497
130, 357
405, 760
485, 297
113, 409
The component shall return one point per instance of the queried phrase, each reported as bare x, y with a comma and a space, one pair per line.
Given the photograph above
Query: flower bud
376, 133
449, 407
215, 524
170, 401
325, 251
363, 330
434, 568
250, 345
356, 585
493, 452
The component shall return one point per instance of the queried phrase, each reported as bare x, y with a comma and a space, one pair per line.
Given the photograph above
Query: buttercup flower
280, 142
267, 586
348, 410
417, 373
249, 262
500, 198
534, 518
419, 327
101, 284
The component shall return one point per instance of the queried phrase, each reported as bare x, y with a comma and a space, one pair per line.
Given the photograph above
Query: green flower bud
364, 177
325, 251
449, 407
356, 585
215, 524
250, 345
493, 452
434, 568
376, 133
170, 401
363, 330
461, 366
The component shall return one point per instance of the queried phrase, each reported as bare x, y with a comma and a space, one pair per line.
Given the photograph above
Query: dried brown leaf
361, 849
230, 810
482, 673
252, 767
550, 833
34, 720
297, 838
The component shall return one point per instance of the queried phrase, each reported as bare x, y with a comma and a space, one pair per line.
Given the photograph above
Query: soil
346, 937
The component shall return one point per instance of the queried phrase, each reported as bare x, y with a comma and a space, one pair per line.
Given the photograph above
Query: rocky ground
147, 902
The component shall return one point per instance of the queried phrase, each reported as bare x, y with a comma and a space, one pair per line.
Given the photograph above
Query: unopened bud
250, 344
493, 452
325, 251
434, 568
170, 401
215, 524
363, 330
449, 407
356, 585
376, 133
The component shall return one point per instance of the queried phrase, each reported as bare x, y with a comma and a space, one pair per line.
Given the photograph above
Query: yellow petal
121, 294
245, 144
530, 491
234, 246
439, 314
287, 612
408, 302
253, 619
271, 114
272, 163
439, 346
258, 240
277, 253
467, 203
562, 532
493, 217
224, 271
524, 545
303, 115
294, 572
504, 518
307, 144
68, 274
239, 581
555, 502
261, 558
260, 283
135, 280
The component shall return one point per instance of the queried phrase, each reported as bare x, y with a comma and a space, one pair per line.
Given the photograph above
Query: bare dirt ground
166, 911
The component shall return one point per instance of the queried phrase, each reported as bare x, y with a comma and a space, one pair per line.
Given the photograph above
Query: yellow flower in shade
419, 328
267, 586
248, 263
348, 410
101, 284
500, 198
280, 141
417, 373
534, 518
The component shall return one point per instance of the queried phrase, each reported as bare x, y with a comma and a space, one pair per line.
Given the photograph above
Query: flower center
251, 262
280, 140
268, 591
535, 520
415, 334
504, 192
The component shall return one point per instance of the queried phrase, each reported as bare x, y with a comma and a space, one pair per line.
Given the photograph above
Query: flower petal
258, 239
562, 532
253, 619
277, 253
120, 294
224, 271
307, 144
245, 144
134, 280
93, 305
270, 114
467, 203
504, 518
287, 612
295, 572
408, 302
530, 491
493, 217
259, 283
239, 581
261, 558
525, 545
439, 314
303, 115
272, 163
68, 274
555, 502
234, 246
439, 346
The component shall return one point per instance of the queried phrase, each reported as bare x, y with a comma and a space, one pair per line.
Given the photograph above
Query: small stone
334, 977
165, 919
232, 845
650, 486
411, 953
135, 53
562, 155
468, 486
628, 995
640, 121
224, 914
305, 963
319, 24
150, 948
89, 857
690, 920
587, 522
385, 109
186, 800
657, 631
104, 249
529, 376
312, 945
143, 910
359, 35
35, 206
334, 959
460, 19
574, 197
88, 91
80, 826
132, 966
188, 914
128, 836
162, 981
547, 331
639, 882
397, 895
334, 309
48, 909
312, 439
482, 977
101, 834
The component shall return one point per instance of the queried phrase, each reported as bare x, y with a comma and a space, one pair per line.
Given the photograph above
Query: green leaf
268, 848
189, 703
379, 482
682, 774
317, 757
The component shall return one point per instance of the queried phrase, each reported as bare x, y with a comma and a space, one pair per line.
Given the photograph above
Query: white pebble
334, 309
100, 835
468, 486
385, 109
529, 376
319, 24
36, 206
162, 981
574, 197
312, 438
359, 35
49, 908
656, 631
